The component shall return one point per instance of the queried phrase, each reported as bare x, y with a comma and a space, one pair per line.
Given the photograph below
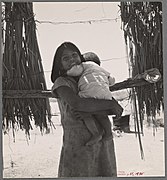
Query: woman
78, 160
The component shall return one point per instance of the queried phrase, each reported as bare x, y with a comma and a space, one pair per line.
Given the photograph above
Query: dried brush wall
142, 25
22, 68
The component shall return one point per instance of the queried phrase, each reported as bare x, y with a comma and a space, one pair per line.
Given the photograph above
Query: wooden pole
129, 83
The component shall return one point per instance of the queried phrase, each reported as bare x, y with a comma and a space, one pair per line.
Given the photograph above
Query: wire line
79, 22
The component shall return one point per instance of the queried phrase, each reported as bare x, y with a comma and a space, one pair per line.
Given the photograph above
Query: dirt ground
39, 156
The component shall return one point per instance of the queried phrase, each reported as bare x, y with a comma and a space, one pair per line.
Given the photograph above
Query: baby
94, 82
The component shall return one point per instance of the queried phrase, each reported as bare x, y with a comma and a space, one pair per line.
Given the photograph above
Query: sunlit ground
39, 157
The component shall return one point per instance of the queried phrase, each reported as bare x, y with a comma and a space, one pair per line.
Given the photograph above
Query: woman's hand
116, 109
81, 115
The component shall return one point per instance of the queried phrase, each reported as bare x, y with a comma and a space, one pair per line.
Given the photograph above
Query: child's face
69, 59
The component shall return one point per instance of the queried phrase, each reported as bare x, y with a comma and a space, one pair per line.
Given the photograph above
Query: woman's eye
75, 55
65, 58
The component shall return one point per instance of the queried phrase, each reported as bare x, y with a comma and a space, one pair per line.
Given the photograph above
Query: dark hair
90, 56
56, 67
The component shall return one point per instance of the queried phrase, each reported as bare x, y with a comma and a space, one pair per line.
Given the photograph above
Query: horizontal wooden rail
27, 94
129, 83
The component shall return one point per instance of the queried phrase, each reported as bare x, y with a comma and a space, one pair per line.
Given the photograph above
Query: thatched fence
22, 68
142, 25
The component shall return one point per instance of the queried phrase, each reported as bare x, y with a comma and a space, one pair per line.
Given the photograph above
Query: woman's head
67, 54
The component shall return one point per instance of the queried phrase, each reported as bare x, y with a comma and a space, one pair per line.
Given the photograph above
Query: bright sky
103, 38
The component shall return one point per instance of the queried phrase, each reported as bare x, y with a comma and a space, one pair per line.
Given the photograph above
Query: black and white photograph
54, 128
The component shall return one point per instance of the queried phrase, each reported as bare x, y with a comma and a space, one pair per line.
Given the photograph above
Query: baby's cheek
74, 71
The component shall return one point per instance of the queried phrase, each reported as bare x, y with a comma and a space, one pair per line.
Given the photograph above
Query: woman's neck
76, 78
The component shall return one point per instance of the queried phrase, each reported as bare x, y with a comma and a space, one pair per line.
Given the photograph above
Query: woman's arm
90, 105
